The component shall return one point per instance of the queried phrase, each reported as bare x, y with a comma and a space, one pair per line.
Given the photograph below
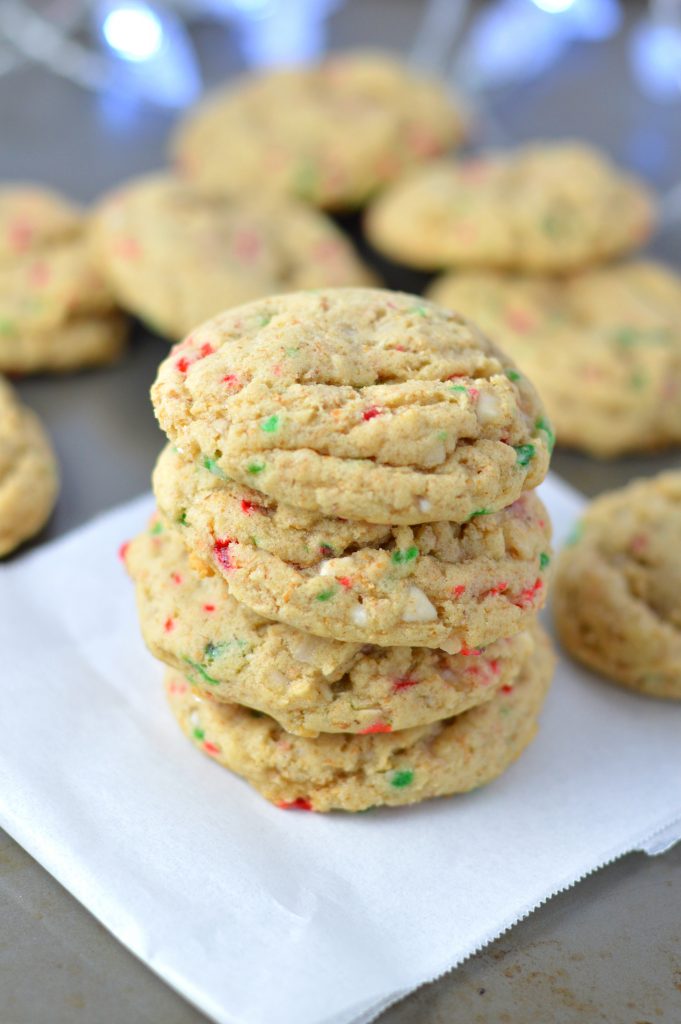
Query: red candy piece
169, 625
345, 581
458, 591
377, 727
507, 689
247, 507
299, 804
210, 748
183, 364
498, 588
527, 595
123, 550
221, 551
404, 684
209, 607
469, 650
231, 380
369, 414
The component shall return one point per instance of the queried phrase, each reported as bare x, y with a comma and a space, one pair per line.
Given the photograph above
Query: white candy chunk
487, 407
417, 607
359, 615
424, 505
324, 568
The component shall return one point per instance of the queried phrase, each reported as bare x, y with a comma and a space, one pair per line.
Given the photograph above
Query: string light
134, 31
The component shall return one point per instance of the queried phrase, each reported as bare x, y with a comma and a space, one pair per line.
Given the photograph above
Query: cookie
549, 208
56, 313
176, 258
442, 585
331, 134
357, 403
29, 479
616, 594
308, 684
602, 347
353, 773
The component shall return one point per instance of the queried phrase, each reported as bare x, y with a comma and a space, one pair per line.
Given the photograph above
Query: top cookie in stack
356, 403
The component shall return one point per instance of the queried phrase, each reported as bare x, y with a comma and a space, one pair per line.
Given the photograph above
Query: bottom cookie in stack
353, 773
316, 723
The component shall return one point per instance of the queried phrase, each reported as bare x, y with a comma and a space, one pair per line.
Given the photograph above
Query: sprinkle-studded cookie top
357, 403
330, 134
175, 257
603, 347
545, 208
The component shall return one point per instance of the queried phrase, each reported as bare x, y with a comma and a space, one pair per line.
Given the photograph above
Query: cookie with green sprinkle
308, 684
447, 585
381, 767
602, 346
618, 580
176, 258
330, 134
56, 311
29, 478
545, 208
356, 403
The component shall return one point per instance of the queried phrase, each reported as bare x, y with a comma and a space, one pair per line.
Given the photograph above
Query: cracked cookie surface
358, 403
603, 347
330, 134
544, 208
308, 684
56, 313
29, 478
442, 585
354, 773
616, 592
175, 258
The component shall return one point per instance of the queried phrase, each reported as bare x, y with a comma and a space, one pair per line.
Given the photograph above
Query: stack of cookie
349, 559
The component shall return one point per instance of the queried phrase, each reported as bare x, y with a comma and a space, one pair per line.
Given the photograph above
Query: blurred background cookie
29, 477
56, 312
331, 133
175, 258
617, 587
603, 347
546, 207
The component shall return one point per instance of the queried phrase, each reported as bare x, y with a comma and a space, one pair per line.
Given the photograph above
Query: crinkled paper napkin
264, 916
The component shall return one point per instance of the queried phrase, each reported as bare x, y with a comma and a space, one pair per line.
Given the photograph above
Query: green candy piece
401, 557
201, 670
325, 595
524, 453
458, 387
255, 467
156, 528
213, 651
212, 467
264, 319
544, 560
403, 778
513, 375
270, 425
543, 424
481, 512
199, 734
182, 518
419, 310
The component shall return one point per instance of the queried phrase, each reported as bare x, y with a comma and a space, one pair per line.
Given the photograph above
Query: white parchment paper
263, 916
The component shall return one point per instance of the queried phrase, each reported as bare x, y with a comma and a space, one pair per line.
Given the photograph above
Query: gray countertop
607, 950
